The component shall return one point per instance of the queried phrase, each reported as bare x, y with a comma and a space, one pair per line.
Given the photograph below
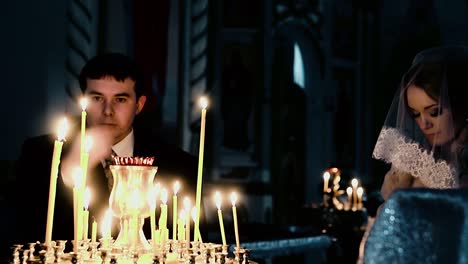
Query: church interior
298, 89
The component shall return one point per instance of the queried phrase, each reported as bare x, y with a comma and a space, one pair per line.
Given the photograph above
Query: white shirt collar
125, 147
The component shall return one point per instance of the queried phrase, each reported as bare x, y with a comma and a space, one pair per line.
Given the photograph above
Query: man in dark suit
112, 84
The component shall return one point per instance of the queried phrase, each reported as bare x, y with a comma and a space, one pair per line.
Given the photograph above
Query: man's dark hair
115, 65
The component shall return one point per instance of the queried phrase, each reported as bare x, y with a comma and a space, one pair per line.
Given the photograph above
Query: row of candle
354, 192
181, 225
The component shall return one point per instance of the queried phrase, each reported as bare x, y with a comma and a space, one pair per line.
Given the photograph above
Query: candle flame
88, 143
349, 190
194, 213
354, 182
326, 175
334, 170
77, 177
83, 103
233, 198
183, 215
217, 197
176, 187
87, 198
360, 191
62, 130
164, 196
203, 102
187, 203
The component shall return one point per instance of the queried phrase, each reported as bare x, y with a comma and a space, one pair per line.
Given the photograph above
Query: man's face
113, 104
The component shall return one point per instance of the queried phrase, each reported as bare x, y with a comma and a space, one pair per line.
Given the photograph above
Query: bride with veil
424, 136
425, 132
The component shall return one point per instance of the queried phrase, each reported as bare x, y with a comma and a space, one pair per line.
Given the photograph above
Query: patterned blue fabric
421, 226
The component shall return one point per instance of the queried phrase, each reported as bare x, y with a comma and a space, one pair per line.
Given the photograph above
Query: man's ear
140, 103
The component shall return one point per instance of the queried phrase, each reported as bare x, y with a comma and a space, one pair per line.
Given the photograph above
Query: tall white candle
78, 210
349, 191
87, 199
359, 192
326, 178
187, 218
174, 210
234, 215
220, 216
53, 179
204, 105
354, 184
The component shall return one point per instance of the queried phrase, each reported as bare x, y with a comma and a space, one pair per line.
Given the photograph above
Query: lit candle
94, 231
234, 215
77, 209
187, 218
220, 216
204, 105
181, 225
53, 179
360, 192
153, 201
87, 198
354, 184
196, 232
349, 191
85, 158
174, 210
326, 178
163, 216
83, 103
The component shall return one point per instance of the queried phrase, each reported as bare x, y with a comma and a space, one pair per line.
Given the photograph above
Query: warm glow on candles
87, 199
187, 218
58, 144
234, 215
163, 216
354, 184
181, 225
77, 209
83, 103
94, 231
359, 192
349, 191
174, 210
326, 178
217, 198
204, 104
85, 158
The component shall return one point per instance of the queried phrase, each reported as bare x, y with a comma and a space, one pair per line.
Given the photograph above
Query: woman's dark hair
115, 65
430, 76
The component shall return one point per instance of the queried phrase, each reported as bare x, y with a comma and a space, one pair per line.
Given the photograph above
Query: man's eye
121, 99
96, 98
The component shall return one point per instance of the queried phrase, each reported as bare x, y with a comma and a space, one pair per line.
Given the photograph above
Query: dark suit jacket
32, 183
